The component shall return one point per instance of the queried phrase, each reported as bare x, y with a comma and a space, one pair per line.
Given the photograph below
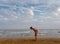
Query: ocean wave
21, 32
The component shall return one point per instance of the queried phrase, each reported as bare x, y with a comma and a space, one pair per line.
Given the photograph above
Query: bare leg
35, 38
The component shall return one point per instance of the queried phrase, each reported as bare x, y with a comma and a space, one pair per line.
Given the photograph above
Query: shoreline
29, 41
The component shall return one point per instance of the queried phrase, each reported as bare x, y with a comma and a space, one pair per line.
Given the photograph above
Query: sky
21, 14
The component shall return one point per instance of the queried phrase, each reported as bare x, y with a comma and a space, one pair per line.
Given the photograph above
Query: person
35, 31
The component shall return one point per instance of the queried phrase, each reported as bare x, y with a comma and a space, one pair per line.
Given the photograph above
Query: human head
31, 27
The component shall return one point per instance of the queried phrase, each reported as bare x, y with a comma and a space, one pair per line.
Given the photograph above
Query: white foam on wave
43, 33
21, 32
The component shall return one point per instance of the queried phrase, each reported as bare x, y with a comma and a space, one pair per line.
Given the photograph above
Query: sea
27, 33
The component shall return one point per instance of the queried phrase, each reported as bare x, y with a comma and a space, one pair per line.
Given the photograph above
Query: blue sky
21, 14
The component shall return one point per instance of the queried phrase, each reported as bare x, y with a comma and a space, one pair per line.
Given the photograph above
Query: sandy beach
29, 41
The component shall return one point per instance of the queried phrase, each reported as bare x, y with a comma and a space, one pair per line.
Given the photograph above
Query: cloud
13, 15
58, 9
1, 16
24, 13
16, 16
5, 18
30, 11
29, 1
56, 14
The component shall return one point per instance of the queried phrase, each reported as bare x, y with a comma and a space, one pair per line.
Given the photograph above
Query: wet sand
29, 41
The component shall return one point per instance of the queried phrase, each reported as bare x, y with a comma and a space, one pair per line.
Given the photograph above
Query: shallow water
29, 33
